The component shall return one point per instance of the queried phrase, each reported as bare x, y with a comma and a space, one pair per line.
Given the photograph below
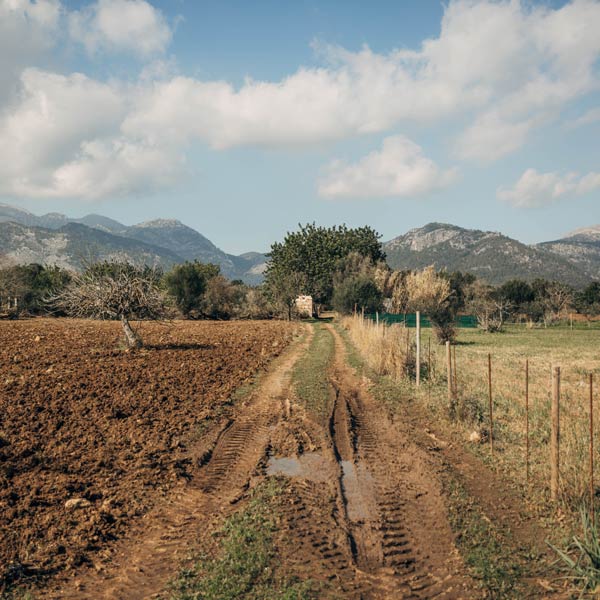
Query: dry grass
387, 350
575, 352
384, 348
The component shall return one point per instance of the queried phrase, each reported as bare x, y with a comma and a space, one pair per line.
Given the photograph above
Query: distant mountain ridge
581, 248
54, 238
489, 255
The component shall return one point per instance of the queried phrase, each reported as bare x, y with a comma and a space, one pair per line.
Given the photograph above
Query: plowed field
82, 420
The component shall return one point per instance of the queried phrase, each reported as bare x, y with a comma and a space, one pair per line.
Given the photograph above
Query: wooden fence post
429, 375
449, 376
418, 347
527, 420
593, 515
555, 435
455, 382
491, 403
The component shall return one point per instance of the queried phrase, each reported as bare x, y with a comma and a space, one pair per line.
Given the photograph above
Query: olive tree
187, 284
116, 291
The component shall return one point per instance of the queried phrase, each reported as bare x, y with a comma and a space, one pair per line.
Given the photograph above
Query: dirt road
363, 512
378, 525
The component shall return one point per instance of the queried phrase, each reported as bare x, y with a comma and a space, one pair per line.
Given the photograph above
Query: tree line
340, 267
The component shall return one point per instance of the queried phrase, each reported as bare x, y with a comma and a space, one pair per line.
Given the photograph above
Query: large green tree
314, 253
357, 291
187, 282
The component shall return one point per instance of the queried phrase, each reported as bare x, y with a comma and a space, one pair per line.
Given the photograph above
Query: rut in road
144, 562
380, 529
366, 517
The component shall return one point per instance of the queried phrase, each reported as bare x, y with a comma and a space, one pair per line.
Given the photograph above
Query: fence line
539, 424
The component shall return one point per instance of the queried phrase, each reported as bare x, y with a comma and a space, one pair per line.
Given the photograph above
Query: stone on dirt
75, 503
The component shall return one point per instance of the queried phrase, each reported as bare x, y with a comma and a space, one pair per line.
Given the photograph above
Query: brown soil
378, 529
362, 509
82, 419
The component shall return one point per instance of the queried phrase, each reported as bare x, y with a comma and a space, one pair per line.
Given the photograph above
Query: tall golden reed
388, 350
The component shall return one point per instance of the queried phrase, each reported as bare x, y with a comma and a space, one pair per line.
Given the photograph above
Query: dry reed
383, 347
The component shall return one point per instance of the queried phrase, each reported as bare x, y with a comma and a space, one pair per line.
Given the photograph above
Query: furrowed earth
92, 436
250, 460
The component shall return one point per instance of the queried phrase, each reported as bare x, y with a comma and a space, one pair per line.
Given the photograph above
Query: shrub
359, 291
384, 348
187, 283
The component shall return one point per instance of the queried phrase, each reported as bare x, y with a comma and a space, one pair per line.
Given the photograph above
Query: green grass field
576, 351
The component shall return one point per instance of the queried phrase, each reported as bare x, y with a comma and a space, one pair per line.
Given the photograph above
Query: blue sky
243, 119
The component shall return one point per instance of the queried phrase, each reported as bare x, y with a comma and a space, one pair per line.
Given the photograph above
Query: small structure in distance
305, 307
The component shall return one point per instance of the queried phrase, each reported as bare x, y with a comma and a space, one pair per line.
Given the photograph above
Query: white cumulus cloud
535, 190
510, 66
398, 169
505, 67
121, 25
53, 148
27, 32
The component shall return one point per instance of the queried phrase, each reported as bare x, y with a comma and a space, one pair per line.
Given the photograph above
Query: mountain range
54, 238
494, 257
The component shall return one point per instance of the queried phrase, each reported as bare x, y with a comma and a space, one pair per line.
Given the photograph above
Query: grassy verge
310, 378
575, 351
483, 546
245, 565
387, 390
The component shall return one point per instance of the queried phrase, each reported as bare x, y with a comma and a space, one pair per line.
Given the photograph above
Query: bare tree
488, 308
558, 298
118, 291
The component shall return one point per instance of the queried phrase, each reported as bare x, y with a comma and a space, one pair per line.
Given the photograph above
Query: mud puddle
357, 484
311, 465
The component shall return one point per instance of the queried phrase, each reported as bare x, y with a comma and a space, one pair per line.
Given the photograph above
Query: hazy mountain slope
584, 234
75, 244
191, 245
18, 215
580, 247
172, 242
102, 223
489, 255
24, 244
177, 237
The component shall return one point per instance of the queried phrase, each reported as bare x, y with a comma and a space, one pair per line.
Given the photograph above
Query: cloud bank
398, 169
121, 26
536, 190
505, 68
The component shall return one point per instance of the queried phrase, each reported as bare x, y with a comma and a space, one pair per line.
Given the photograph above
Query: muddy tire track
401, 520
377, 528
144, 562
